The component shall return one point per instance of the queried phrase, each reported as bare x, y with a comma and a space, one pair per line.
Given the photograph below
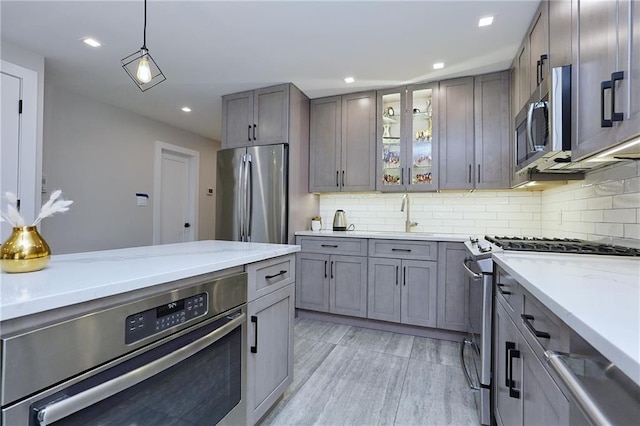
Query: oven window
199, 390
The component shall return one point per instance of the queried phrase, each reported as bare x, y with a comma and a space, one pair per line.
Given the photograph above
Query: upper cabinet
342, 143
607, 74
407, 138
256, 117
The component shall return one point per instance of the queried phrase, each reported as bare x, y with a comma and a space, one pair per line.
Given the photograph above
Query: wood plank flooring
347, 375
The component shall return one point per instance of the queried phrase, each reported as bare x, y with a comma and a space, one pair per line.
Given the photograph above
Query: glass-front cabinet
407, 138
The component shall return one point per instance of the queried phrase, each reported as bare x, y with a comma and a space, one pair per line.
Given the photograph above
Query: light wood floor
347, 375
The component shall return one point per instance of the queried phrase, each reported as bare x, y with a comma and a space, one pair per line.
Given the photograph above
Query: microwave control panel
156, 320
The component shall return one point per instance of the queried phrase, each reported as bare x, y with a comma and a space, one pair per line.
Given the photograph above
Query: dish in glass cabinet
422, 178
389, 112
391, 178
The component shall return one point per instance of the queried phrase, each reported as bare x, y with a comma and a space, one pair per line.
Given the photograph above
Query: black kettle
339, 221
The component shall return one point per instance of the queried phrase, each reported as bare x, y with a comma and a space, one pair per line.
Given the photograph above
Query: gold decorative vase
24, 251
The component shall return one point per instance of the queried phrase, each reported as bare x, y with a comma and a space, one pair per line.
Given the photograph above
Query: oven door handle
60, 409
465, 265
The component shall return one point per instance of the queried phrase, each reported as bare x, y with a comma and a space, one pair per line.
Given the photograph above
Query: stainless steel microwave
543, 126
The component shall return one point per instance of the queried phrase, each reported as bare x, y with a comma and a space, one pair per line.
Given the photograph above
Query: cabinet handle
404, 250
402, 176
469, 173
249, 133
511, 354
507, 374
504, 293
254, 348
542, 59
526, 319
397, 270
254, 132
478, 173
282, 272
604, 86
343, 178
616, 76
409, 176
330, 245
337, 178
404, 276
331, 269
538, 72
325, 269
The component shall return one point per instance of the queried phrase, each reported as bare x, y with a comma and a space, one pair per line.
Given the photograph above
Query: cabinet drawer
269, 275
509, 292
350, 246
399, 249
542, 327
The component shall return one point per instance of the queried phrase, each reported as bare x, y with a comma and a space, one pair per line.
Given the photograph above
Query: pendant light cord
144, 36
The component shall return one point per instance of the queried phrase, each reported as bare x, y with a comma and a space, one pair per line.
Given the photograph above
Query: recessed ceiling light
486, 21
92, 42
349, 80
186, 109
438, 65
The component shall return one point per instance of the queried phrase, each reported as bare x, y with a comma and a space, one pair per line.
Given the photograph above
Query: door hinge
20, 106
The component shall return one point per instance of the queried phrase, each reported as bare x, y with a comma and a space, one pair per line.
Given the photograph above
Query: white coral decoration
54, 205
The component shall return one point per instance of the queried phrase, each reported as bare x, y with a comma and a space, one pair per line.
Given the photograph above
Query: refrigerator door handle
240, 200
248, 191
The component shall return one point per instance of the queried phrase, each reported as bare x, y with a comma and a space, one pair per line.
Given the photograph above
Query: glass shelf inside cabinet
421, 170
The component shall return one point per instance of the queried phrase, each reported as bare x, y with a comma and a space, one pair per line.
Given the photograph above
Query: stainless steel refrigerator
251, 194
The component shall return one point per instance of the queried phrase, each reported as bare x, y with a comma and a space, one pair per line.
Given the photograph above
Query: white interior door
176, 183
10, 141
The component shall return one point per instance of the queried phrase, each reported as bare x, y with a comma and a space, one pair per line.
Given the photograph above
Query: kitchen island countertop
597, 296
79, 277
388, 235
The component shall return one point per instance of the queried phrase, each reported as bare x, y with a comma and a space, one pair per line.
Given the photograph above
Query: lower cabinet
332, 283
402, 291
270, 354
454, 292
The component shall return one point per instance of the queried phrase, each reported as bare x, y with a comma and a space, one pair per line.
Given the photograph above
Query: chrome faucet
407, 223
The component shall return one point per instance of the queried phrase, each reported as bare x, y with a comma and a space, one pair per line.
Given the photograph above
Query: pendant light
140, 66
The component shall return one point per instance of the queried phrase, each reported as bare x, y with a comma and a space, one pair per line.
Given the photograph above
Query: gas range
481, 248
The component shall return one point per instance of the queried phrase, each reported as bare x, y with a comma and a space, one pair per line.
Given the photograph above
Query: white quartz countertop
597, 296
388, 235
75, 278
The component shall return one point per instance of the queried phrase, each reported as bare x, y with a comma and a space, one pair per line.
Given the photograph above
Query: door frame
193, 161
30, 151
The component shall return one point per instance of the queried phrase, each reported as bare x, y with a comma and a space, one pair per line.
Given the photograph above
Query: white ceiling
210, 48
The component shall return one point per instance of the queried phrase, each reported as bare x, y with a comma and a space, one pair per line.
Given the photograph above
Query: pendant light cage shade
131, 64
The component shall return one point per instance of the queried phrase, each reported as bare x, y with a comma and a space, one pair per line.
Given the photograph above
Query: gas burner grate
561, 245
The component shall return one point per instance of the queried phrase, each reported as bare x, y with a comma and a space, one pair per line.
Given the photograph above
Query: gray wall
100, 156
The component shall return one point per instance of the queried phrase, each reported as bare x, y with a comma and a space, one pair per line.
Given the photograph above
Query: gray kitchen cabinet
521, 83
453, 288
456, 133
507, 369
538, 41
342, 139
328, 280
348, 285
607, 67
559, 33
270, 356
401, 288
407, 147
492, 143
257, 117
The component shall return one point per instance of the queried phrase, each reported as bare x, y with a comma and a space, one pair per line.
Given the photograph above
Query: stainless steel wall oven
176, 358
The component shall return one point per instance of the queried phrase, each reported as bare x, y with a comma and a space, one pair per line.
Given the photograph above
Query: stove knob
484, 248
473, 239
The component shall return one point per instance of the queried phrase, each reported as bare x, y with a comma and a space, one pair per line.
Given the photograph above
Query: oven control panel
156, 320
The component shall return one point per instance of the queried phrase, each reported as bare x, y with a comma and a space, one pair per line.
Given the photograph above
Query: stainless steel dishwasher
176, 358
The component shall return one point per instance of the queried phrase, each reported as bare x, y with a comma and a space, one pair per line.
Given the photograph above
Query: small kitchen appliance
339, 221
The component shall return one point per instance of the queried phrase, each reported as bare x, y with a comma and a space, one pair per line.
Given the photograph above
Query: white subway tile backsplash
632, 230
620, 216
632, 185
610, 229
630, 200
600, 203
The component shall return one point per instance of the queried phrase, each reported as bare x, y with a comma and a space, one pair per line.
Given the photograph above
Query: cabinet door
237, 120
522, 67
543, 402
384, 289
507, 367
358, 165
628, 90
538, 48
325, 140
453, 287
348, 286
456, 133
312, 281
422, 137
271, 115
491, 170
270, 353
595, 48
559, 33
418, 303
392, 114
